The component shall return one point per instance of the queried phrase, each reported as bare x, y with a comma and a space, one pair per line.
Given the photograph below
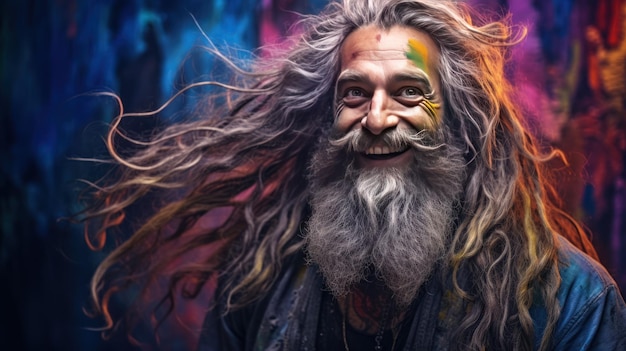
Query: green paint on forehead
418, 54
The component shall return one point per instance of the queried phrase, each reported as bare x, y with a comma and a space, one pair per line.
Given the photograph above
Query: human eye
410, 92
353, 96
409, 95
354, 92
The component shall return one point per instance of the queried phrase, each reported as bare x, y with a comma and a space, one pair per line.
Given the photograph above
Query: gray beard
394, 223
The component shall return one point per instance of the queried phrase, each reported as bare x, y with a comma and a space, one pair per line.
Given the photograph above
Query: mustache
359, 140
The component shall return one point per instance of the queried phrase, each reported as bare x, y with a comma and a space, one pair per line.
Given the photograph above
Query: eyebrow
352, 76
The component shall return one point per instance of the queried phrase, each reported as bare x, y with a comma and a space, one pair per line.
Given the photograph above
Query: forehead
375, 44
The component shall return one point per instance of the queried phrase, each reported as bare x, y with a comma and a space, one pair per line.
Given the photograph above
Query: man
380, 193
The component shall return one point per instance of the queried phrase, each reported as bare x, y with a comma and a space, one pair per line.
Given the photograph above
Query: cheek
349, 119
418, 117
432, 113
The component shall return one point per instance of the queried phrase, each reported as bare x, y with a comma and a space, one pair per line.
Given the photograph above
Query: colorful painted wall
570, 75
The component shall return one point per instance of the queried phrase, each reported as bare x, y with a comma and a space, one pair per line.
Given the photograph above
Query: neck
370, 308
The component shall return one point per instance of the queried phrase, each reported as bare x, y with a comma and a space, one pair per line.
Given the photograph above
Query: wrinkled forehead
396, 43
374, 55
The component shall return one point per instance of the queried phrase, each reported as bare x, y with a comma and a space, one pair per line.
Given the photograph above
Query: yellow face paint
431, 109
418, 54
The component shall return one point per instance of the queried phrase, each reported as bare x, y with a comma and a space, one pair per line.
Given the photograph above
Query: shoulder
593, 313
582, 278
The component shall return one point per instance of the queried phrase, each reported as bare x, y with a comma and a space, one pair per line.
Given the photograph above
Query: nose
379, 118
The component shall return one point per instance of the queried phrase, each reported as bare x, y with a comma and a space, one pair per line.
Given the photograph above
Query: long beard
391, 222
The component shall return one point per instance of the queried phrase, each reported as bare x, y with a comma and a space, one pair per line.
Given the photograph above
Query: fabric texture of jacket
593, 313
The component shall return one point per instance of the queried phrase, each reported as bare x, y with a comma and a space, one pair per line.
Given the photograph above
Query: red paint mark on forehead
378, 37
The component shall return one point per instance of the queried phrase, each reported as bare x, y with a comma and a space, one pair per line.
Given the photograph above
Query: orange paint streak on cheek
431, 108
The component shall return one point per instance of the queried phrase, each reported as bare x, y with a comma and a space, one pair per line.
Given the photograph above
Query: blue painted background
53, 54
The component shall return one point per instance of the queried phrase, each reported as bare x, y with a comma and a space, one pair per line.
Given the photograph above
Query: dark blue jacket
593, 313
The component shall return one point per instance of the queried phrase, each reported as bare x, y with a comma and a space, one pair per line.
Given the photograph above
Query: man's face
385, 84
385, 183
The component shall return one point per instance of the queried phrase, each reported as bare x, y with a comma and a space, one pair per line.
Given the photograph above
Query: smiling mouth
383, 152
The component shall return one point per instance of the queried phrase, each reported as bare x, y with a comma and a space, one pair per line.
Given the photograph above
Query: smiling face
386, 182
389, 80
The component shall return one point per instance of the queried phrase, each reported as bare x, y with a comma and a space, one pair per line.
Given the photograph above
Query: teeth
381, 150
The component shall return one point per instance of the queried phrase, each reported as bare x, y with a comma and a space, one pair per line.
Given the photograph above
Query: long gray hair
250, 157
